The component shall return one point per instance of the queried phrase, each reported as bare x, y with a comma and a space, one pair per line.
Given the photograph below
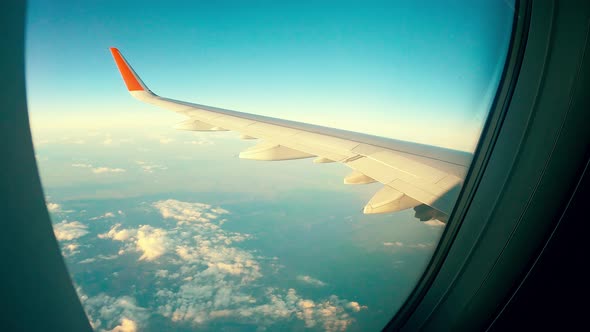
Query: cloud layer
116, 314
206, 275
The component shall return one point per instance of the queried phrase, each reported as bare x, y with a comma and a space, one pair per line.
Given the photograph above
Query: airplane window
315, 203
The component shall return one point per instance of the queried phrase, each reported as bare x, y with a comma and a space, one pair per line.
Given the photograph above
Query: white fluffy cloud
118, 314
127, 325
185, 212
355, 306
66, 231
70, 249
219, 279
152, 242
209, 276
53, 207
106, 215
56, 208
118, 234
201, 304
311, 281
100, 170
149, 241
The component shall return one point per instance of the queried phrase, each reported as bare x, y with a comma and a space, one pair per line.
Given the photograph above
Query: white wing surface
413, 175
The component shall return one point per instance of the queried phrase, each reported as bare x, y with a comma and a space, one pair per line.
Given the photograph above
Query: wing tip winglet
132, 81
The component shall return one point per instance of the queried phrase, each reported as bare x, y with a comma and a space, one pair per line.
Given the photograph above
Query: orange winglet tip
131, 80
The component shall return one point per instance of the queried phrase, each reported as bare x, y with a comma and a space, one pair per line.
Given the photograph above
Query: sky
422, 71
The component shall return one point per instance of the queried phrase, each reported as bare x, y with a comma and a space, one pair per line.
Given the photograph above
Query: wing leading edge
413, 175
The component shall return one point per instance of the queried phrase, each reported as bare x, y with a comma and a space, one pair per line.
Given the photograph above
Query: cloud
66, 231
228, 285
53, 207
393, 244
185, 211
220, 259
355, 306
97, 258
209, 276
151, 242
332, 314
107, 313
56, 208
82, 165
421, 245
118, 235
104, 216
100, 170
435, 223
162, 273
70, 249
127, 325
219, 210
87, 260
150, 167
311, 281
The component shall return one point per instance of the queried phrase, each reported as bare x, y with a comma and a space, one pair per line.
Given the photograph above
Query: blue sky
422, 71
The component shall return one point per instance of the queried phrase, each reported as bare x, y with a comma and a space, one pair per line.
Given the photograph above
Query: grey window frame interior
524, 172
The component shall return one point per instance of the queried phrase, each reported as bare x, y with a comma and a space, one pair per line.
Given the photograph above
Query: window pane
170, 230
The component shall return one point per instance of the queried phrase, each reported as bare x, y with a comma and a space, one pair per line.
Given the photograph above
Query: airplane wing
413, 175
